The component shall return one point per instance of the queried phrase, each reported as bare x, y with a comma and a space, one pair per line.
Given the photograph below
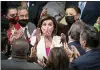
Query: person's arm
40, 10
41, 4
35, 37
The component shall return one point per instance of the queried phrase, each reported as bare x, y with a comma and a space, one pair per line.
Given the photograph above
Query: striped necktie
25, 32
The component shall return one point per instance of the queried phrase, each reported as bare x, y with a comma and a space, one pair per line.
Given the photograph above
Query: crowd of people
34, 35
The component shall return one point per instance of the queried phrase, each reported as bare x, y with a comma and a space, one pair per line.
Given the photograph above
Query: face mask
13, 20
23, 23
70, 20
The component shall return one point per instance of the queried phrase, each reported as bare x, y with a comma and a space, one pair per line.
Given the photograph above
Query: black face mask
70, 20
23, 23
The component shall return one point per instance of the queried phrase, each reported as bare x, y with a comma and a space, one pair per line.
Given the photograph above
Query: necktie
25, 32
81, 6
26, 35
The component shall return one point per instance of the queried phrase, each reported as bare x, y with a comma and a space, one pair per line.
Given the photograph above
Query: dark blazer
89, 61
35, 9
91, 11
3, 56
19, 64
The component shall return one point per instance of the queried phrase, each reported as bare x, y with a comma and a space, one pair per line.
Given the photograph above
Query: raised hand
42, 62
44, 12
68, 50
37, 33
75, 51
63, 38
72, 53
17, 34
33, 52
35, 37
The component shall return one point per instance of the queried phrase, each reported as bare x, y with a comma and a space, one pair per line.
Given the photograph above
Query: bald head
20, 47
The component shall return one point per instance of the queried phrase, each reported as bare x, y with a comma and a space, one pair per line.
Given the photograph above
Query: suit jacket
3, 56
19, 64
31, 27
35, 9
89, 61
91, 11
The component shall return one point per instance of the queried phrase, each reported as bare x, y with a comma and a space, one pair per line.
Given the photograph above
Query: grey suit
31, 27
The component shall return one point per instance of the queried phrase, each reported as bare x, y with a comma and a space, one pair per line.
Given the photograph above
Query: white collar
88, 49
25, 27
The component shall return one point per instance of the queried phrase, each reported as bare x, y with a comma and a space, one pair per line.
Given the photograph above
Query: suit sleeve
73, 66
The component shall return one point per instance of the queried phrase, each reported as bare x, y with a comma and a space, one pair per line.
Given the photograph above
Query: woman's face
47, 27
71, 12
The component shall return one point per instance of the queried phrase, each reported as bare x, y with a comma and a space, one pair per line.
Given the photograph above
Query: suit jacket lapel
29, 29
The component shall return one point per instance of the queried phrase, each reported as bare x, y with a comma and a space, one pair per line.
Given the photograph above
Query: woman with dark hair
44, 37
57, 60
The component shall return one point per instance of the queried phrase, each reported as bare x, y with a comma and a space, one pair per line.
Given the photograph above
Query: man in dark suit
74, 36
89, 40
20, 48
90, 11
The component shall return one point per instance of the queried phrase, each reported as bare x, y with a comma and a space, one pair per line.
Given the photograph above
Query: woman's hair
47, 17
58, 59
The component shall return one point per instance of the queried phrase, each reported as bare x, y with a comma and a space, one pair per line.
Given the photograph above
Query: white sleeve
57, 41
32, 40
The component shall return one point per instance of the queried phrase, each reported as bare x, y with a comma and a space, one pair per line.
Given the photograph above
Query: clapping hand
42, 62
17, 34
72, 53
63, 38
36, 33
33, 52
